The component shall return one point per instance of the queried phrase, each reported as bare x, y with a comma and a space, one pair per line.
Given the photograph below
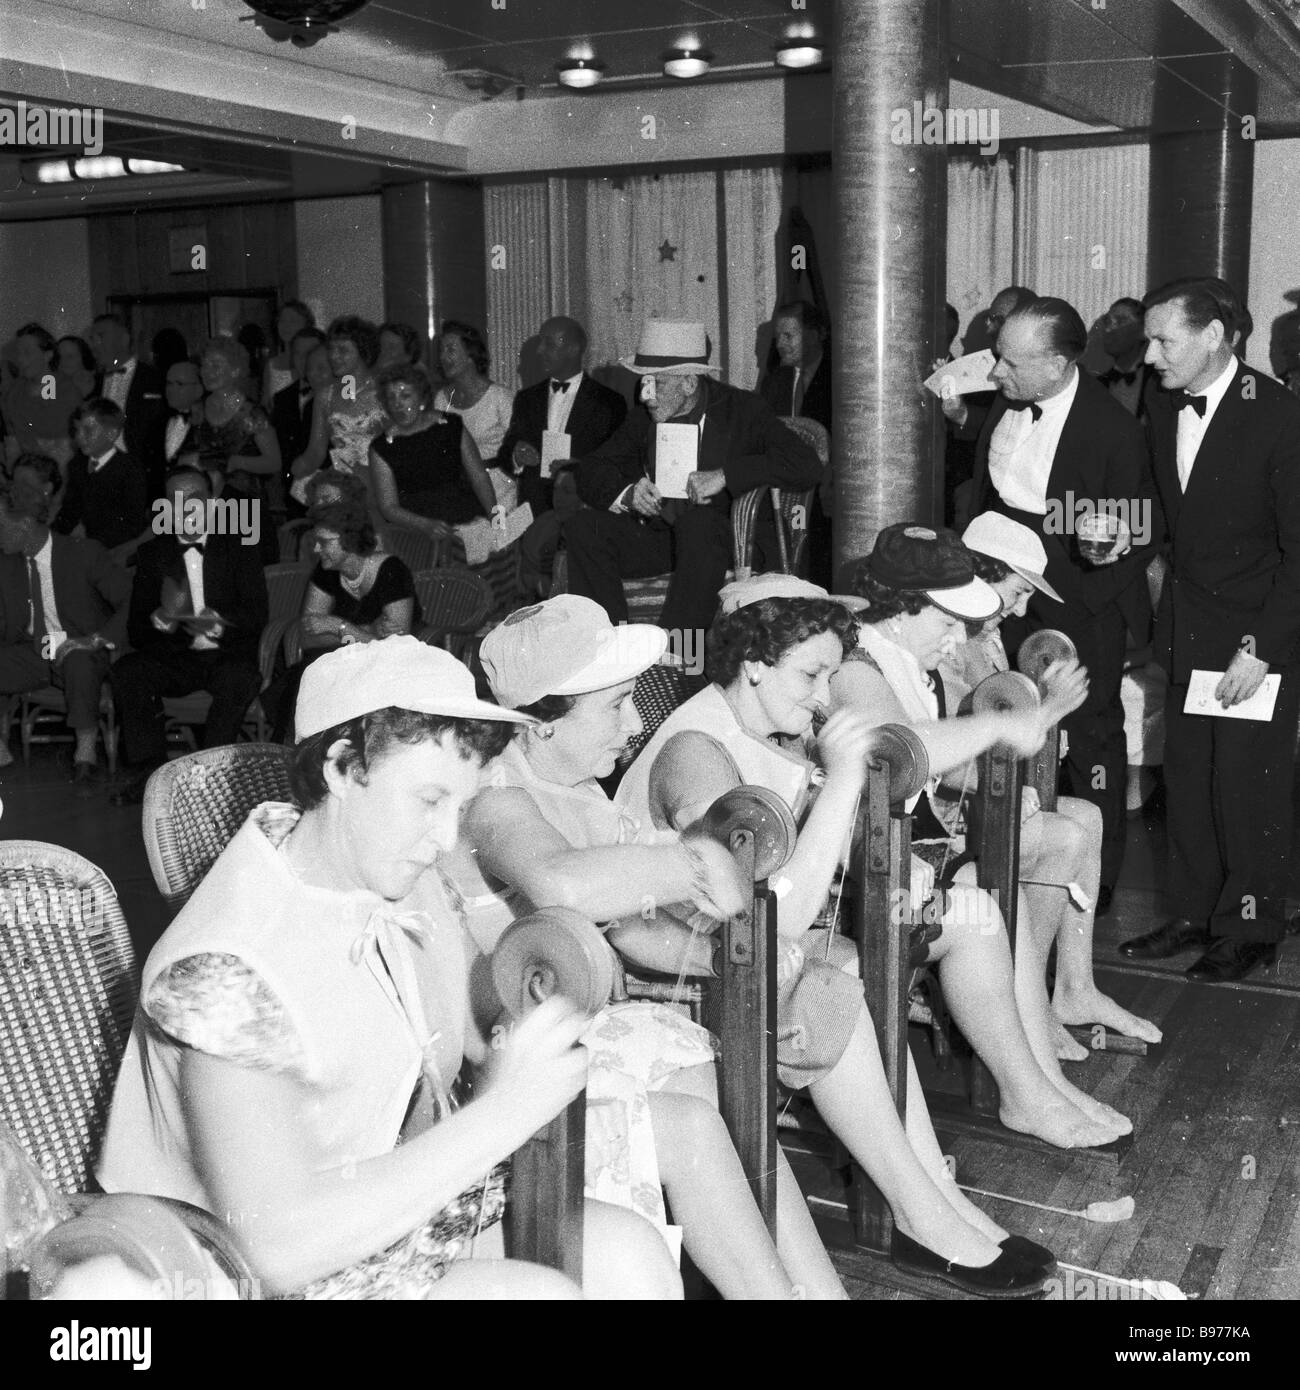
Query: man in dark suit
198, 607
801, 385
629, 529
107, 497
63, 610
1225, 446
1056, 447
1129, 379
136, 388
175, 430
291, 411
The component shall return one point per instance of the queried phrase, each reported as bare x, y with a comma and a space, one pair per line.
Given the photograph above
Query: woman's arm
319, 626
267, 459
246, 1129
476, 473
317, 450
516, 845
390, 508
394, 620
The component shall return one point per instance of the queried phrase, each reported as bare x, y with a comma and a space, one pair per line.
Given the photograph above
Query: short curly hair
361, 333
369, 737
352, 523
883, 600
404, 374
989, 568
474, 343
769, 630
350, 488
412, 342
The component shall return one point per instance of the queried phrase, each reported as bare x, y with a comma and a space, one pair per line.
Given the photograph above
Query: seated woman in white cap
770, 661
543, 833
303, 1019
921, 591
1063, 848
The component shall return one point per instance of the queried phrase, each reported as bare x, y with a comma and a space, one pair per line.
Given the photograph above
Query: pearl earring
753, 680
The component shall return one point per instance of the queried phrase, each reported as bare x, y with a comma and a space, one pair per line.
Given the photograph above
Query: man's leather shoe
1228, 960
1177, 934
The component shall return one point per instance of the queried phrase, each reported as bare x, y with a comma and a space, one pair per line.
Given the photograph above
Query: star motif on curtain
623, 302
667, 252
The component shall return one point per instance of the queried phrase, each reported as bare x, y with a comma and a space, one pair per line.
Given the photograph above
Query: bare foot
1068, 1048
1092, 1006
1059, 1123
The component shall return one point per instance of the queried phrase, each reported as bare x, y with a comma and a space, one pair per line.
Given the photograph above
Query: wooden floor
1214, 1168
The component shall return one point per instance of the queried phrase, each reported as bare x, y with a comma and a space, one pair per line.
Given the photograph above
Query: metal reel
899, 748
554, 951
761, 812
1003, 691
1040, 649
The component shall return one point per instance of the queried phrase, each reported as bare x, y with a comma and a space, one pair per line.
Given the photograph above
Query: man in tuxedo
183, 389
107, 497
1054, 448
198, 607
136, 388
1225, 447
1129, 378
63, 610
291, 410
566, 402
630, 530
801, 385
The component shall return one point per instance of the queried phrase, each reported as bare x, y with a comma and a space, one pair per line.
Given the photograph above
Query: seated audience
184, 391
38, 404
107, 496
198, 607
293, 318
346, 417
485, 406
236, 444
629, 529
399, 346
136, 388
543, 833
290, 410
304, 1018
63, 606
424, 468
356, 593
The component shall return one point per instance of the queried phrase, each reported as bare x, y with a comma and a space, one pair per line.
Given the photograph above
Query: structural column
890, 199
435, 255
1202, 181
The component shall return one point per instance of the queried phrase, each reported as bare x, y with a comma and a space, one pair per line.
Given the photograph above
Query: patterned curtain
752, 199
981, 232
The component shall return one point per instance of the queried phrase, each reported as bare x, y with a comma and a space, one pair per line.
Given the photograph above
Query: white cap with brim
672, 349
401, 672
1014, 544
565, 646
976, 602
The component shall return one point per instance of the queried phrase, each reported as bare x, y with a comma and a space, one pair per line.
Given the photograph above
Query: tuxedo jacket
596, 413
112, 503
1101, 456
91, 592
145, 407
233, 585
291, 422
777, 390
1235, 532
742, 436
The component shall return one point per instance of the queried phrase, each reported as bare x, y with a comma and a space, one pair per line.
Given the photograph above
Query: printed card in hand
677, 455
968, 374
1200, 698
555, 449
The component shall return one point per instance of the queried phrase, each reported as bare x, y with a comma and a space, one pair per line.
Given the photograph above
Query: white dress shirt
117, 384
1192, 427
1022, 450
178, 426
192, 557
101, 460
44, 558
560, 405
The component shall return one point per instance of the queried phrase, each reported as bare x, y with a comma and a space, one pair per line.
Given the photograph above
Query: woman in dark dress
356, 593
425, 468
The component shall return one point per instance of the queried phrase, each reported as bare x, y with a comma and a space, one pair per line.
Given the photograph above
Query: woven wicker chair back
452, 601
68, 987
194, 805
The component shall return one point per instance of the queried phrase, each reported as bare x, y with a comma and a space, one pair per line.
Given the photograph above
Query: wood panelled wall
248, 246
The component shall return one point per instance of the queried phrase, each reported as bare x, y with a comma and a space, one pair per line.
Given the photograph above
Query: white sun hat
672, 349
1014, 544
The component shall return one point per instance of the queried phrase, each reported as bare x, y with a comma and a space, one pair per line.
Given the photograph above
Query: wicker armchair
454, 604
68, 989
194, 805
415, 549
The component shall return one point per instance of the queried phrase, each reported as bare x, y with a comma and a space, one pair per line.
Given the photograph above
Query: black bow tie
193, 545
1183, 401
559, 386
1035, 410
1128, 378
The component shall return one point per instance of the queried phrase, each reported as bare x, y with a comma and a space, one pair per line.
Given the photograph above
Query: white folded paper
482, 537
968, 374
677, 454
555, 449
1200, 698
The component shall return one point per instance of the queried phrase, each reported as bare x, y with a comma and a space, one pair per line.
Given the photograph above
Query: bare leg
975, 970
708, 1189
623, 1257
854, 1100
1078, 857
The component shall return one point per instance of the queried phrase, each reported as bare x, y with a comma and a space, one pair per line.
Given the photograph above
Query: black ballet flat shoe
1031, 1253
1007, 1277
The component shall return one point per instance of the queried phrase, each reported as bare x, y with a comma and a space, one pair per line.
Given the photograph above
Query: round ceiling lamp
685, 62
301, 22
580, 72
799, 53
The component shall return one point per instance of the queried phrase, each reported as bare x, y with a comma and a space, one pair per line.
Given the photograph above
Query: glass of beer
1098, 535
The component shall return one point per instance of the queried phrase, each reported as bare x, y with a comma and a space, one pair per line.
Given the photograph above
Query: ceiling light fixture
93, 168
581, 72
799, 53
687, 62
